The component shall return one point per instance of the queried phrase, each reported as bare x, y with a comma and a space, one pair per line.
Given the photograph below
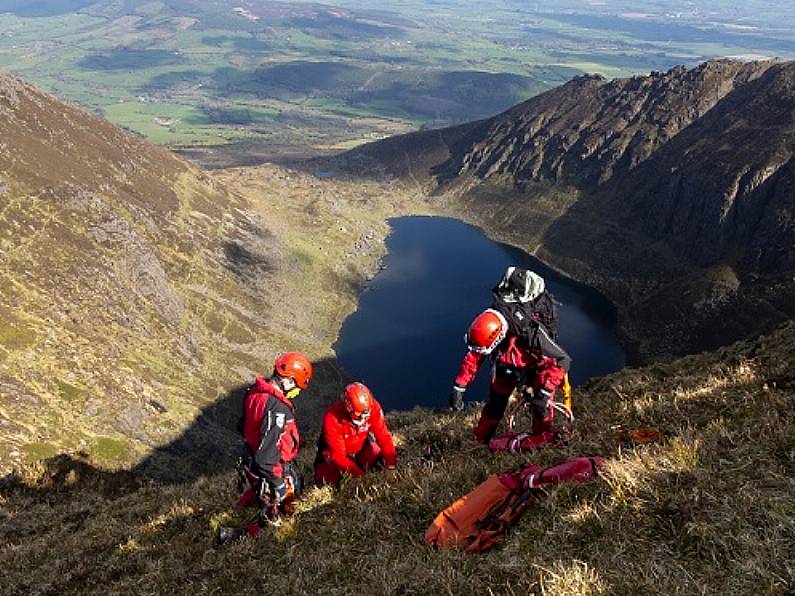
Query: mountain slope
137, 293
136, 290
666, 189
124, 272
705, 509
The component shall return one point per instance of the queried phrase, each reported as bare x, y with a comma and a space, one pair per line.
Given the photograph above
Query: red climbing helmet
486, 331
295, 366
358, 401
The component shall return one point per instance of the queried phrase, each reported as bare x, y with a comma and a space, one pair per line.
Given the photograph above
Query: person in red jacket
270, 441
526, 354
354, 437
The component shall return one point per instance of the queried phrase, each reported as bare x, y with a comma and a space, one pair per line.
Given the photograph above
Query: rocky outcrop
671, 192
589, 130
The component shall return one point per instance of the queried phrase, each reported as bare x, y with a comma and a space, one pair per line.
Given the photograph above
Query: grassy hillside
707, 509
136, 290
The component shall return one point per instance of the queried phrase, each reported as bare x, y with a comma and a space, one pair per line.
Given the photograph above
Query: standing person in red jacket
354, 437
515, 334
270, 441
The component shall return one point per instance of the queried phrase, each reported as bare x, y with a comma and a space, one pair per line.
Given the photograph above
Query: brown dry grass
707, 509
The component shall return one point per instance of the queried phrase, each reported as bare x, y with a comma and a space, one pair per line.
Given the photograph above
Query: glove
457, 398
540, 404
280, 492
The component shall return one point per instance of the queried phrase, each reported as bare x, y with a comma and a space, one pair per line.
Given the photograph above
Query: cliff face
590, 130
702, 228
670, 192
723, 186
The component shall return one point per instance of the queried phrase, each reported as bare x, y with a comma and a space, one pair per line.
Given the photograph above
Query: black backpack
518, 299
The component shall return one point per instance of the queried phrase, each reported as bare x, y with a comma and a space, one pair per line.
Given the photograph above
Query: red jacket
269, 430
341, 439
516, 354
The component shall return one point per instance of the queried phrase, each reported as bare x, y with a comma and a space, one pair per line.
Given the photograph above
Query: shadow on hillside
210, 445
64, 474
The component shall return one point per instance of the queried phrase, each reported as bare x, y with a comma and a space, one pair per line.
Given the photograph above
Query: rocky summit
670, 192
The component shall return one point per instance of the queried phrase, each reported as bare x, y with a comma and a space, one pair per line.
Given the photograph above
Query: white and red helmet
358, 402
487, 331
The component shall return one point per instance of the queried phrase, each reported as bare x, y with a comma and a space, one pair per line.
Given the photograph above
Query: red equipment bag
516, 442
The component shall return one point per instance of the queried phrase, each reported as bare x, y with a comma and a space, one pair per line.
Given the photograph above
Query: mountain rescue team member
271, 438
354, 437
532, 357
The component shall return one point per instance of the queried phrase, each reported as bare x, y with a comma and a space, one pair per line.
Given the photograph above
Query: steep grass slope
707, 509
137, 292
124, 284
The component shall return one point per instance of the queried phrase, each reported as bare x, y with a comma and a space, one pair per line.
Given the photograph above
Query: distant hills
670, 192
268, 80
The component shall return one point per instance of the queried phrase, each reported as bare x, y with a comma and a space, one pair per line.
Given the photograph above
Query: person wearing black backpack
519, 334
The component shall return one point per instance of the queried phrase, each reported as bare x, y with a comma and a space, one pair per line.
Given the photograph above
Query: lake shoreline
414, 320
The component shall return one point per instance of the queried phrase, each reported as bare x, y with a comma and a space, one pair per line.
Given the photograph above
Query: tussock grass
708, 508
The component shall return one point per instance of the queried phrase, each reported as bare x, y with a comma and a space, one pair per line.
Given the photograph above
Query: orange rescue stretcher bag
477, 521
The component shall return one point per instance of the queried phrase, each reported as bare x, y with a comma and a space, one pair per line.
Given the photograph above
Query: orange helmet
486, 331
295, 366
358, 401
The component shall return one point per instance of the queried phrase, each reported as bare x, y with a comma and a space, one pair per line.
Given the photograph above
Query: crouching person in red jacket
269, 476
354, 437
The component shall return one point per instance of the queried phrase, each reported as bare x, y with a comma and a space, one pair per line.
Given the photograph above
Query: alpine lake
406, 339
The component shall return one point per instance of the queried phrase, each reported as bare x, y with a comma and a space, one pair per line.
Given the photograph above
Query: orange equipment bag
477, 521
456, 526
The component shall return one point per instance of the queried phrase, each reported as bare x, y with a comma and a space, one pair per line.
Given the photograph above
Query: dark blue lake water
406, 340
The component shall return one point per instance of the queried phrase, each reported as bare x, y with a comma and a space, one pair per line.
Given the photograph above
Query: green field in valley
196, 72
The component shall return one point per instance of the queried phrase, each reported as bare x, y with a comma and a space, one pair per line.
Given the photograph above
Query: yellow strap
567, 391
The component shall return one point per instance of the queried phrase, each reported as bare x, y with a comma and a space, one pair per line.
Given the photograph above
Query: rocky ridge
668, 191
